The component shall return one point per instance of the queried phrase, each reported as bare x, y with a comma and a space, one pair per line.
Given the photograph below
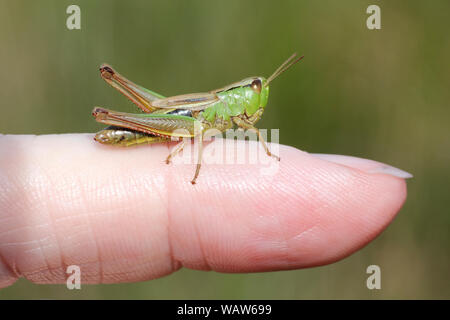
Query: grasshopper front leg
241, 123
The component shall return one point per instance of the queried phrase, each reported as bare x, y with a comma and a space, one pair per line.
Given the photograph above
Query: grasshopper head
259, 87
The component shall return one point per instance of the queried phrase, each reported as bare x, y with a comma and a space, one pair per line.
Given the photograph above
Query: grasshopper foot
273, 156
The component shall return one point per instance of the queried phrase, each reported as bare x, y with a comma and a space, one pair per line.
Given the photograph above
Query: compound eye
256, 85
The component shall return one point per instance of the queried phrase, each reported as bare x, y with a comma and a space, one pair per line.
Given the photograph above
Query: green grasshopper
241, 103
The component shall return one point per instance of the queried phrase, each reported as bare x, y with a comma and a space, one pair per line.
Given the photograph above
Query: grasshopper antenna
284, 66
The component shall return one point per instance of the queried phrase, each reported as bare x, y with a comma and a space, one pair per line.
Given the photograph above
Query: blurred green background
379, 94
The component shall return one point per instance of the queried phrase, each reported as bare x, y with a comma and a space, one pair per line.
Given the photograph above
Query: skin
127, 216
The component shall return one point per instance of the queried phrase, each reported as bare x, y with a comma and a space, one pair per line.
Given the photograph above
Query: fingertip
367, 165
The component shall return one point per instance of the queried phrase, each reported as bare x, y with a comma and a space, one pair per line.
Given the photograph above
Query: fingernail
369, 166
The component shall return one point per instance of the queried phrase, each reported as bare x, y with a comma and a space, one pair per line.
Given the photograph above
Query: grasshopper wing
191, 101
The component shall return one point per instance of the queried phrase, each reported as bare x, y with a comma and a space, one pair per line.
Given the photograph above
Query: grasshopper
241, 103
